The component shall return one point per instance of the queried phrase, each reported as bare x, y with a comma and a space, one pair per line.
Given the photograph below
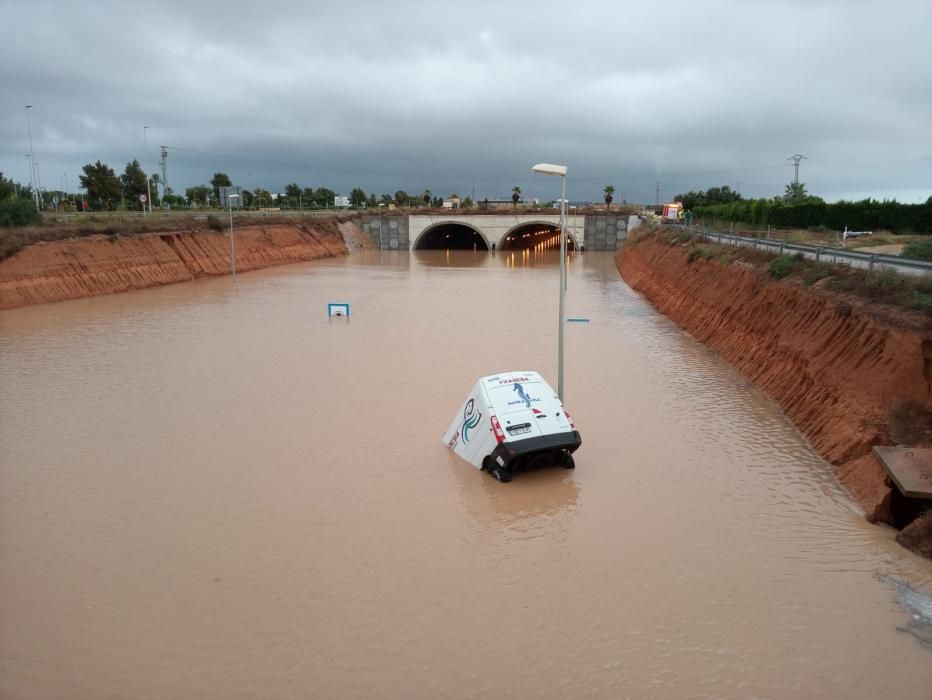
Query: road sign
338, 310
142, 198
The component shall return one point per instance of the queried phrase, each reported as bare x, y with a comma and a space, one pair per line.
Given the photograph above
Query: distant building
499, 203
452, 202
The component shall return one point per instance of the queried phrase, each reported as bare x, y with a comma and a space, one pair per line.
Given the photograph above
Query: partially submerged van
510, 421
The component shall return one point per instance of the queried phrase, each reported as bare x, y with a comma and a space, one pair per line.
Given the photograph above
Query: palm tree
515, 195
428, 195
795, 191
609, 191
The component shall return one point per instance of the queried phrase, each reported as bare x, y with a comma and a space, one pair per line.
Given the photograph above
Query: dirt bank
106, 264
843, 373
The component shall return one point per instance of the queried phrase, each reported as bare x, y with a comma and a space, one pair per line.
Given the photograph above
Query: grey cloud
455, 96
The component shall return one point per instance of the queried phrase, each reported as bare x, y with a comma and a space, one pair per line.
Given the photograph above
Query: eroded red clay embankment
836, 370
85, 267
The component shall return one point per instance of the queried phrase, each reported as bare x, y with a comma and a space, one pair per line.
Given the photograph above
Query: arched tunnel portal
535, 236
451, 236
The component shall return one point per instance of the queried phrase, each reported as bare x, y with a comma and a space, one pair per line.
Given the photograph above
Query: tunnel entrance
451, 236
536, 237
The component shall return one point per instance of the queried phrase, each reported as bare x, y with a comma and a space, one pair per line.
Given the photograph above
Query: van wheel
567, 461
502, 474
487, 463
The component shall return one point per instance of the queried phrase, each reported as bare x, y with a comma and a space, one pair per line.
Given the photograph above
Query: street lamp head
550, 169
28, 106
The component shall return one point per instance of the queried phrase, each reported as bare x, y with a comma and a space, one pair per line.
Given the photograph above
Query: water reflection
542, 499
452, 259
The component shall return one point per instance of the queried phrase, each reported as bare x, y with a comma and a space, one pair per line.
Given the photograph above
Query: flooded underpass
539, 237
217, 491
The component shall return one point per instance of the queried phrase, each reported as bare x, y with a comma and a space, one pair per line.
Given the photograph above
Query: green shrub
922, 302
885, 283
700, 253
215, 223
781, 266
920, 249
18, 212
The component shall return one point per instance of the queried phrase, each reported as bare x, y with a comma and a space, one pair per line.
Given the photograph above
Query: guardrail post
870, 264
755, 242
719, 237
818, 254
781, 247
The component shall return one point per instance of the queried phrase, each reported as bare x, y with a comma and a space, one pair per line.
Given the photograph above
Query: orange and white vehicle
510, 421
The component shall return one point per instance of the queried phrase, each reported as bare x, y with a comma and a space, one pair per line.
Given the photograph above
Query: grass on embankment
13, 240
883, 286
823, 237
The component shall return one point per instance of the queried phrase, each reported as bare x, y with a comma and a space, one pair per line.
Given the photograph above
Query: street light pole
145, 149
39, 186
31, 185
550, 169
380, 225
230, 198
33, 182
575, 230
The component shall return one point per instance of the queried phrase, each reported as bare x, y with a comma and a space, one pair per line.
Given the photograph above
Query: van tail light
568, 417
497, 429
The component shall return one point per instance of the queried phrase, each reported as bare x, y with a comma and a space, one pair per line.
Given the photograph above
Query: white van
510, 421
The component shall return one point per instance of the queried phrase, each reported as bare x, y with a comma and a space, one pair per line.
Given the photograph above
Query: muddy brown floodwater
217, 492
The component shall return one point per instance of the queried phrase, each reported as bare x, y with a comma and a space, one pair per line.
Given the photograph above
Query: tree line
798, 209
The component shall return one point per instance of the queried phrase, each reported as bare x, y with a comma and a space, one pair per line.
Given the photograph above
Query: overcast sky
464, 97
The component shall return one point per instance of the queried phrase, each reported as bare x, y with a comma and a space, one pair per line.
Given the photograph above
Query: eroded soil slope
840, 371
85, 267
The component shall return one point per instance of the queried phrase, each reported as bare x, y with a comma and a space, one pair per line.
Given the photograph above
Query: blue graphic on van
471, 419
523, 396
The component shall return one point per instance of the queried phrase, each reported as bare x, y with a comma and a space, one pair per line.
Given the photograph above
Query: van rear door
520, 407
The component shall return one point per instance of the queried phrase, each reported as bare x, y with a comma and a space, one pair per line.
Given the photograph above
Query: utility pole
164, 173
32, 181
796, 158
658, 193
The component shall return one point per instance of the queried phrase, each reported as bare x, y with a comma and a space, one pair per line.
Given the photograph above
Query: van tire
487, 463
502, 474
567, 461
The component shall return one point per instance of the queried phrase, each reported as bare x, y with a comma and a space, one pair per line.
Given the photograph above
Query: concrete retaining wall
607, 231
394, 234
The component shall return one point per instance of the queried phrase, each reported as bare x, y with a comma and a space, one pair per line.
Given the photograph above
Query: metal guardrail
818, 253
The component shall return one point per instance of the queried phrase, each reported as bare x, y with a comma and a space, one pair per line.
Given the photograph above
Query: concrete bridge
420, 231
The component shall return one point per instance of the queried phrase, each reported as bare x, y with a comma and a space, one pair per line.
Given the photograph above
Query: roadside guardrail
870, 261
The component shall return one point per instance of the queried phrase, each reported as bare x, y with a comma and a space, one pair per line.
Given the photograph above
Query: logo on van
471, 419
522, 395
